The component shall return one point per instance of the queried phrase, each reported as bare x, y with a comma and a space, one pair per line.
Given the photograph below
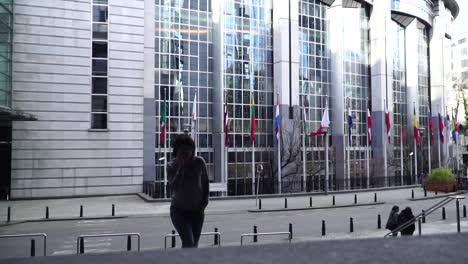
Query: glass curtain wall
248, 46
400, 118
356, 88
314, 85
6, 38
183, 68
423, 97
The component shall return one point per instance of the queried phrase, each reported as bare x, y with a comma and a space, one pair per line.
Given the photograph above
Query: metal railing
427, 212
266, 234
30, 235
216, 234
81, 243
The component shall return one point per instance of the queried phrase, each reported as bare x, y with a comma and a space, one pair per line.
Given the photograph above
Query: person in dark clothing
404, 217
392, 222
188, 180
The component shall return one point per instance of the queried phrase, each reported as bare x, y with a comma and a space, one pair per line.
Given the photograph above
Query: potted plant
441, 180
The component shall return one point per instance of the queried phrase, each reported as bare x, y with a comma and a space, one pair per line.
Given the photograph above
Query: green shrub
441, 175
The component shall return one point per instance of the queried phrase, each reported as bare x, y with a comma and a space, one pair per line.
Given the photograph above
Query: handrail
31, 235
422, 214
218, 234
106, 235
267, 234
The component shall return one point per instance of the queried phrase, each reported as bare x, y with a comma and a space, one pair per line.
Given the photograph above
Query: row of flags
451, 123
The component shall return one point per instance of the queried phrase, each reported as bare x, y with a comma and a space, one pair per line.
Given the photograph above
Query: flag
304, 121
277, 120
350, 126
415, 126
431, 127
324, 124
253, 122
194, 115
387, 123
162, 135
454, 132
226, 124
369, 126
441, 129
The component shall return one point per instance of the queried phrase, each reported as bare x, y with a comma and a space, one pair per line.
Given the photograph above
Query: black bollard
464, 211
379, 222
33, 248
375, 197
81, 210
285, 203
458, 216
355, 199
129, 243
259, 204
351, 225
419, 226
412, 194
9, 214
310, 201
435, 192
47, 212
423, 216
323, 228
443, 213
113, 209
333, 200
216, 239
425, 192
173, 245
255, 238
81, 245
291, 230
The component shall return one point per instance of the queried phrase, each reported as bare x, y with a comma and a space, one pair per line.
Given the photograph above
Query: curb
435, 197
311, 208
61, 219
148, 199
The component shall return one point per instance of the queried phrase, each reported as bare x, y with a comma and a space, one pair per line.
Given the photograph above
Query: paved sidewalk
133, 205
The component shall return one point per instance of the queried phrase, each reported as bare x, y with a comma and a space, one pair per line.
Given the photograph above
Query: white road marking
64, 252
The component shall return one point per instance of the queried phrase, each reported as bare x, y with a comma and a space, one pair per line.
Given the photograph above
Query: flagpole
429, 135
385, 145
304, 150
440, 141
401, 155
165, 156
415, 148
347, 151
279, 151
367, 146
196, 121
326, 150
226, 121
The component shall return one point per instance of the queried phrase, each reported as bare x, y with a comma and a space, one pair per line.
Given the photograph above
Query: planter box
440, 186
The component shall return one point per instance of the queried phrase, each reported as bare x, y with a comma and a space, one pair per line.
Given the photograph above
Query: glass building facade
6, 41
423, 94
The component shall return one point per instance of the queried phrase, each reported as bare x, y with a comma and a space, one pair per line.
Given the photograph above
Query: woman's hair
180, 141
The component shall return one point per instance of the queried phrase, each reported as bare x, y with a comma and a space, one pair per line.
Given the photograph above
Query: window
461, 41
464, 63
99, 64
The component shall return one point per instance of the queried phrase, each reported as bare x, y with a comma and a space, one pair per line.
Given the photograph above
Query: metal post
323, 228
464, 211
259, 204
129, 243
443, 213
326, 165
9, 214
355, 199
351, 225
425, 192
81, 210
285, 203
458, 216
423, 216
33, 248
255, 238
375, 197
47, 212
379, 222
81, 245
216, 239
310, 203
419, 226
113, 209
333, 200
412, 194
173, 240
291, 230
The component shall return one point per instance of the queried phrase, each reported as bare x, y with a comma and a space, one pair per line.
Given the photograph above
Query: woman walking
392, 222
188, 180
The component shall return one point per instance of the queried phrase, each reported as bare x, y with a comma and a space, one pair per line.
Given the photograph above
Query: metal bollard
375, 197
47, 212
113, 209
291, 230
310, 201
9, 214
464, 211
412, 194
333, 200
285, 203
425, 192
355, 199
419, 226
351, 225
81, 210
423, 216
458, 216
443, 213
81, 245
435, 192
379, 222
129, 243
259, 204
216, 239
323, 228
33, 248
173, 244
255, 238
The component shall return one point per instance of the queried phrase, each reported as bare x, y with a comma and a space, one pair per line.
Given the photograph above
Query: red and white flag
387, 123
369, 126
